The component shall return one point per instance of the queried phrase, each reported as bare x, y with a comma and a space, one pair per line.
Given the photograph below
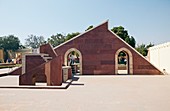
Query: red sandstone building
97, 50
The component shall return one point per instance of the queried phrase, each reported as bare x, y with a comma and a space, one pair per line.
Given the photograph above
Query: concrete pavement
92, 93
7, 70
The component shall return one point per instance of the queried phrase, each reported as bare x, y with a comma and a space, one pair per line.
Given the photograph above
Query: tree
1, 42
149, 45
69, 36
90, 27
143, 49
9, 43
122, 33
132, 42
34, 41
57, 39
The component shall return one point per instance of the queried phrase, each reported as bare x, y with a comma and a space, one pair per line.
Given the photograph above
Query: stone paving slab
13, 82
93, 93
5, 71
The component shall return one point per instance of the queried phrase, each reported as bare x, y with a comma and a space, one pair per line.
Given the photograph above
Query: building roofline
81, 34
113, 34
135, 50
167, 44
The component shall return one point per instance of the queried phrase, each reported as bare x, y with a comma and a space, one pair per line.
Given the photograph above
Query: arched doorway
123, 61
76, 54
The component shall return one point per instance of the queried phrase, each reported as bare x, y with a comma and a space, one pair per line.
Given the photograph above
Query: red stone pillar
56, 71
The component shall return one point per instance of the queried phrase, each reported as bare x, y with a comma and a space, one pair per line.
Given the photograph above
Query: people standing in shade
125, 61
71, 59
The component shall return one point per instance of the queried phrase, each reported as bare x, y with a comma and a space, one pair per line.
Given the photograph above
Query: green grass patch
9, 66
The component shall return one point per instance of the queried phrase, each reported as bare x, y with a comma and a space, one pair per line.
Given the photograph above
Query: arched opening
123, 61
73, 58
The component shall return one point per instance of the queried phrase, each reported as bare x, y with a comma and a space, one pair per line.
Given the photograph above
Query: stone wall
98, 47
53, 71
159, 56
1, 55
32, 61
47, 49
50, 72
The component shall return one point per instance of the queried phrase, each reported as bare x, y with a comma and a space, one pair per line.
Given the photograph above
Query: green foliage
57, 39
7, 66
34, 41
122, 54
132, 41
22, 47
69, 36
90, 27
9, 42
149, 45
1, 43
143, 49
122, 33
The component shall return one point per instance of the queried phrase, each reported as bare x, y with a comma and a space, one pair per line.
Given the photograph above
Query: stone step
46, 57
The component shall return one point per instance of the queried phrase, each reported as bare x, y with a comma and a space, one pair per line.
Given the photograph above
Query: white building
159, 56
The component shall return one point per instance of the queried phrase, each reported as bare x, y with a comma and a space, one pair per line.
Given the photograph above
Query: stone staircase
46, 57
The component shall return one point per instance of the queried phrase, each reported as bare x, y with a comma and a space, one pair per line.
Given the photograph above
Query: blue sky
146, 20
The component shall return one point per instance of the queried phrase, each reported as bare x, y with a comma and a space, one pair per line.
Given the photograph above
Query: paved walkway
6, 70
91, 93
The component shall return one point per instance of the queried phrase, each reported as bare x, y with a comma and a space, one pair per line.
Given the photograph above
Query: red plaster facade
54, 72
98, 47
47, 49
41, 71
32, 61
